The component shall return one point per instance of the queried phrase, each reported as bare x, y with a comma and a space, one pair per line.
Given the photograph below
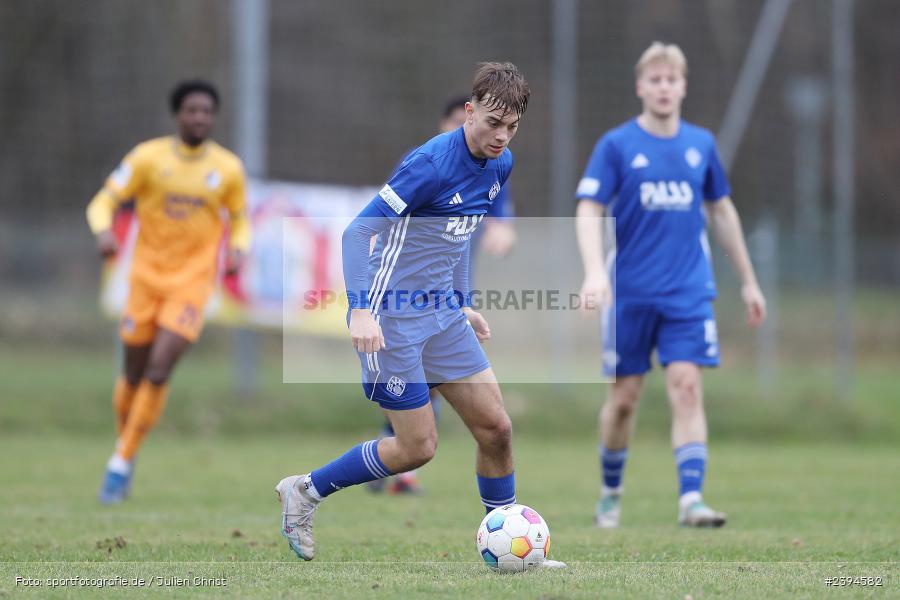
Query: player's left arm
462, 288
726, 227
500, 235
235, 201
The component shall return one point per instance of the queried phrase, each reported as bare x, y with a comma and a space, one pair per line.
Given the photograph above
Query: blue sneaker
115, 487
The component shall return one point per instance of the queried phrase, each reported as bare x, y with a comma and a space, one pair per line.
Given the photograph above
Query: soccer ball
513, 538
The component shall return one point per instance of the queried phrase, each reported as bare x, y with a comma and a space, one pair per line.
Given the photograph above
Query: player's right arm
595, 191
595, 290
122, 184
414, 183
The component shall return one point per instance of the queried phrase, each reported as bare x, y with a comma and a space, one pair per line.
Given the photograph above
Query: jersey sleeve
501, 207
715, 182
601, 178
355, 249
415, 183
122, 184
129, 177
235, 200
462, 278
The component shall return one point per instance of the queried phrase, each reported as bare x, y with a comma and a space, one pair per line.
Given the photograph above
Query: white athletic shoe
698, 514
553, 564
609, 510
297, 507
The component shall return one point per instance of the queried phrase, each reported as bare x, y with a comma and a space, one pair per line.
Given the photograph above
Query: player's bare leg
414, 441
478, 401
684, 385
412, 445
616, 425
619, 412
405, 482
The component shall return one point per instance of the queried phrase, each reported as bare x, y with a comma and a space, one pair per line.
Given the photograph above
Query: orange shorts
147, 310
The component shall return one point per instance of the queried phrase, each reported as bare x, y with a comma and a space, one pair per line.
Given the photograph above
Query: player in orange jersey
182, 185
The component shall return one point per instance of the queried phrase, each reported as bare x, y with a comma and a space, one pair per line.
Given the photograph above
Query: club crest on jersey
213, 179
666, 195
460, 228
693, 157
396, 386
495, 189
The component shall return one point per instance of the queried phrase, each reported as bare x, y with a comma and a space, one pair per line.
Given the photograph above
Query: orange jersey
181, 195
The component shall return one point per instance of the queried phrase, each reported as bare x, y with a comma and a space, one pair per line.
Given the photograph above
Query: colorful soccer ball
513, 538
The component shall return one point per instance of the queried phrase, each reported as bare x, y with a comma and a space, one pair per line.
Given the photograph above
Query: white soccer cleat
297, 508
553, 564
609, 510
698, 514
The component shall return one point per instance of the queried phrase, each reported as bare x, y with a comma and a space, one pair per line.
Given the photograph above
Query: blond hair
659, 52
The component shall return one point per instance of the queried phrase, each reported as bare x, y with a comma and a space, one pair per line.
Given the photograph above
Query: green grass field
205, 508
810, 482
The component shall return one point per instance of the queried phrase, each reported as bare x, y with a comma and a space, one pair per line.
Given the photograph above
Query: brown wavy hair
501, 85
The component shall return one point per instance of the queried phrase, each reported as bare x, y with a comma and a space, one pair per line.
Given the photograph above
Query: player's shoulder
225, 157
429, 155
697, 133
617, 136
440, 147
151, 148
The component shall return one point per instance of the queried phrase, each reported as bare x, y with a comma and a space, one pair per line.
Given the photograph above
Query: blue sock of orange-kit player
358, 465
497, 491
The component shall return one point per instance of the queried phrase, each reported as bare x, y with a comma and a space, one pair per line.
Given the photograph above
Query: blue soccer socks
497, 491
691, 461
612, 466
358, 465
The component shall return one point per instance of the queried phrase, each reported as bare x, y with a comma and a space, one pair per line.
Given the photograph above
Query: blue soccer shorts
678, 330
420, 352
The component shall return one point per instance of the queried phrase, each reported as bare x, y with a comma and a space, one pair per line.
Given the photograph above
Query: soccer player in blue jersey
655, 174
495, 235
405, 318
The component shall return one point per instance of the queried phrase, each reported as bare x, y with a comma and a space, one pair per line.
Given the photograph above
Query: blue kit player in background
496, 236
405, 318
655, 174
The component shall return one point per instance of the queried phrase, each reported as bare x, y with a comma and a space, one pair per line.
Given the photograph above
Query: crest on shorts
396, 386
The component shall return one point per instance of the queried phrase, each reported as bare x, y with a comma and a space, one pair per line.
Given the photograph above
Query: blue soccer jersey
424, 218
434, 201
654, 187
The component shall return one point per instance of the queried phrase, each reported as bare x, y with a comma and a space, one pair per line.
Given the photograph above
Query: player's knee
419, 449
624, 407
497, 434
624, 400
685, 390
